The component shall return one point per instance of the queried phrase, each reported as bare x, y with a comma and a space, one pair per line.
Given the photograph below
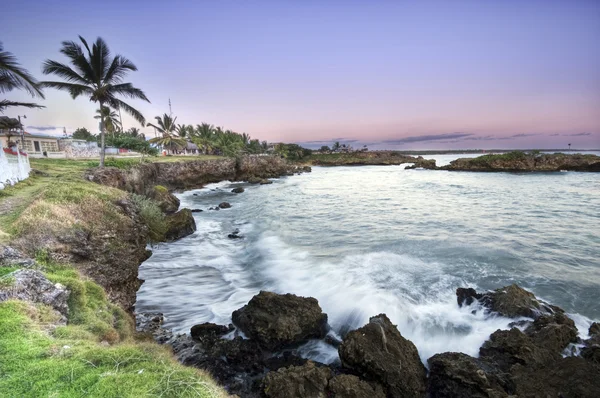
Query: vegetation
83, 134
152, 216
292, 151
165, 125
97, 76
14, 77
110, 118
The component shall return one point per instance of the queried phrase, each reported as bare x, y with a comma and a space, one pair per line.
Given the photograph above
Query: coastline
142, 180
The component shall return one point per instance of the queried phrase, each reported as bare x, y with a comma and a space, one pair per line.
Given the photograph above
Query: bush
152, 216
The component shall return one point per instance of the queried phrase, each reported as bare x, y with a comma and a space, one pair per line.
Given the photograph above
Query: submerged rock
254, 180
224, 205
237, 190
179, 225
279, 320
167, 202
378, 352
197, 210
33, 286
209, 330
235, 235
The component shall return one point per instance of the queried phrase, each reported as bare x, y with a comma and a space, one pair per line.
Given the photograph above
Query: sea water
381, 239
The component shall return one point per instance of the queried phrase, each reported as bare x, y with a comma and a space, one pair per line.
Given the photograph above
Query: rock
224, 205
11, 257
33, 286
594, 329
350, 386
197, 210
167, 202
237, 190
457, 375
506, 348
378, 352
179, 225
235, 235
254, 180
510, 301
279, 320
567, 377
215, 208
521, 161
466, 296
307, 169
208, 330
265, 182
553, 332
308, 381
591, 354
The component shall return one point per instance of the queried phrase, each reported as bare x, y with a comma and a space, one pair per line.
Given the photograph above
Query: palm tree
203, 136
13, 76
182, 130
134, 132
166, 126
96, 75
11, 125
110, 119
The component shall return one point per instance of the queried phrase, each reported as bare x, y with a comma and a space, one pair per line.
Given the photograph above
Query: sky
387, 74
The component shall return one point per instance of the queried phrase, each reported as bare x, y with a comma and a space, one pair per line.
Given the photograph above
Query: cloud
521, 135
431, 137
554, 135
577, 134
44, 128
481, 138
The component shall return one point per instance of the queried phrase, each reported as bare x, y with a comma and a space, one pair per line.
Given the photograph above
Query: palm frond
127, 90
119, 67
13, 76
7, 104
118, 104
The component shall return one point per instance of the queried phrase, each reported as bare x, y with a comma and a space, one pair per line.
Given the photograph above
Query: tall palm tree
203, 136
182, 130
13, 76
166, 126
110, 119
134, 132
96, 75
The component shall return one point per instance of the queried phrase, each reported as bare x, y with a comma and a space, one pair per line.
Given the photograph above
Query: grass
39, 360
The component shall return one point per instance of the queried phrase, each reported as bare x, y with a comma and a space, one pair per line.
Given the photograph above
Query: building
33, 144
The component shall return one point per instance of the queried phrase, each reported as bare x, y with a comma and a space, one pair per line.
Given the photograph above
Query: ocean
380, 239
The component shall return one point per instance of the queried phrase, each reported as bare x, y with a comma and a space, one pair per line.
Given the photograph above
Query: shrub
151, 215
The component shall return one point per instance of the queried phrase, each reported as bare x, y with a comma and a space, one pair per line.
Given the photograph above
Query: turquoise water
367, 240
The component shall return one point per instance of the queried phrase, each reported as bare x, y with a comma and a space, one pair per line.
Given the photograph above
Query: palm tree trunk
102, 152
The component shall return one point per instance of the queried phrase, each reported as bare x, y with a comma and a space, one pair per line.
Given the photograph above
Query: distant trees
169, 138
110, 118
96, 75
292, 151
325, 148
83, 134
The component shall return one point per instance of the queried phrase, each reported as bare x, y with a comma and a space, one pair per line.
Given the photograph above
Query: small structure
36, 145
14, 166
74, 148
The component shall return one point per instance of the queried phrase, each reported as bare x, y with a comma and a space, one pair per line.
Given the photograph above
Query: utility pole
121, 120
22, 131
170, 110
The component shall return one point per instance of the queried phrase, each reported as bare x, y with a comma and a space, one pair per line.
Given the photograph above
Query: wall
14, 167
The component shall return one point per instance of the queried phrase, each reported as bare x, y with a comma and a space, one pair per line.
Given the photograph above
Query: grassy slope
73, 360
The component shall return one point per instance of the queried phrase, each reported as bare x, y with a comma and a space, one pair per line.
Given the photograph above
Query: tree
83, 134
203, 136
182, 130
14, 77
97, 76
110, 119
336, 146
134, 132
166, 126
11, 126
325, 148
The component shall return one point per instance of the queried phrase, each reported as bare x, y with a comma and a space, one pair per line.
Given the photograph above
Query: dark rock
510, 301
566, 377
506, 348
457, 375
307, 169
215, 208
350, 386
378, 352
594, 329
167, 202
33, 286
235, 235
466, 296
308, 381
224, 205
208, 330
591, 354
237, 190
279, 320
197, 210
553, 332
254, 180
11, 257
265, 182
179, 225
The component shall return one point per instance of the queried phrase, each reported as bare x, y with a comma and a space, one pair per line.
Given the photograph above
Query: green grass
74, 361
35, 363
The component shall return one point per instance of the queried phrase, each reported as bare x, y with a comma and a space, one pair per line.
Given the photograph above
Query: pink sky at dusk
466, 74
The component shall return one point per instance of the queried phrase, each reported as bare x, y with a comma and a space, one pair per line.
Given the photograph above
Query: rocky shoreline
541, 356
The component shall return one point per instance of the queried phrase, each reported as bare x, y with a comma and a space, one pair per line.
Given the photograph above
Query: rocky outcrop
280, 320
378, 352
11, 257
510, 301
179, 225
32, 286
307, 381
350, 386
372, 158
167, 202
238, 190
521, 161
191, 174
457, 375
